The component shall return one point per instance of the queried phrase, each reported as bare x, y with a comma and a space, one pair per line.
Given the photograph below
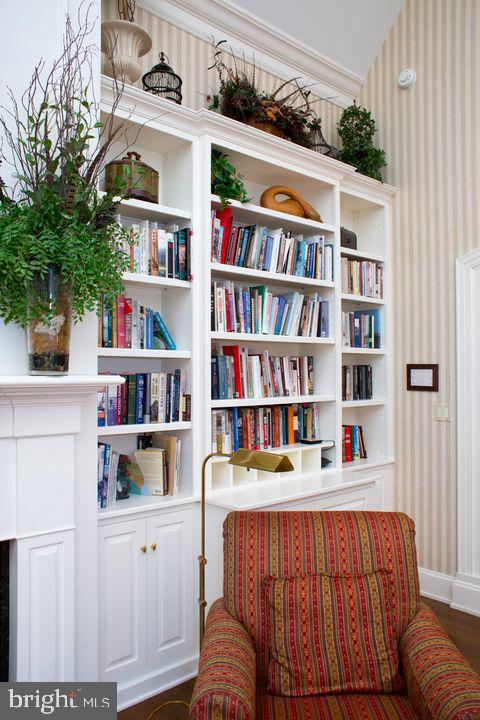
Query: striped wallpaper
430, 135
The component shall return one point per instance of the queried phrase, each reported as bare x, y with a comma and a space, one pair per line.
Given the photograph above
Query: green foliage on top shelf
225, 181
357, 129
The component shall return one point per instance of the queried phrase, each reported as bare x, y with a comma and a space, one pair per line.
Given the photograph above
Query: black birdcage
162, 81
318, 143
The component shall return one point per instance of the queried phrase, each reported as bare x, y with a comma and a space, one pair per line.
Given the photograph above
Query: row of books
145, 398
357, 382
237, 372
153, 469
264, 428
256, 310
260, 248
361, 329
362, 277
156, 250
130, 325
353, 443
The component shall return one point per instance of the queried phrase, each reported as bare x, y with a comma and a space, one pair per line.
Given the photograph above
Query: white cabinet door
171, 602
122, 598
358, 499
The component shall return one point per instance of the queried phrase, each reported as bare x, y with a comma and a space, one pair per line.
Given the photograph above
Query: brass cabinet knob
143, 548
153, 546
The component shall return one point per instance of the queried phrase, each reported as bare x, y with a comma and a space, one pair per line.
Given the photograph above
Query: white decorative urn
124, 42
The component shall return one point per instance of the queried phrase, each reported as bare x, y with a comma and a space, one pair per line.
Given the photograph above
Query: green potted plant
60, 246
225, 181
357, 129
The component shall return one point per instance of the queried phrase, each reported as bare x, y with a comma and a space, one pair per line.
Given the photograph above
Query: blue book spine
111, 404
248, 315
244, 241
164, 331
355, 441
281, 310
222, 377
100, 471
106, 467
356, 330
176, 396
235, 428
140, 398
268, 253
300, 422
377, 331
324, 319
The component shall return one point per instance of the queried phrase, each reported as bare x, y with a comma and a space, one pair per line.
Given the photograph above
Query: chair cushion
282, 544
334, 707
331, 634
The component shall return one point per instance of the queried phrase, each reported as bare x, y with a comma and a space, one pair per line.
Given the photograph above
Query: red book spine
225, 217
348, 444
128, 322
119, 405
121, 321
234, 352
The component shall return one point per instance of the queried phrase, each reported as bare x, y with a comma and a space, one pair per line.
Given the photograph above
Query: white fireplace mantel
48, 512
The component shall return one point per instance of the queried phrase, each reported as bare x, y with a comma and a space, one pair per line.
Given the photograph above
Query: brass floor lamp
252, 460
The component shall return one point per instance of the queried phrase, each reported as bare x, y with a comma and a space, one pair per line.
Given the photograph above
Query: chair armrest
225, 686
441, 685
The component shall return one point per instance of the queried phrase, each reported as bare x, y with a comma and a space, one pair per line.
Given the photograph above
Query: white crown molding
276, 51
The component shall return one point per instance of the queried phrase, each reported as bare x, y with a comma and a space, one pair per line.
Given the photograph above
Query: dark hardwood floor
463, 629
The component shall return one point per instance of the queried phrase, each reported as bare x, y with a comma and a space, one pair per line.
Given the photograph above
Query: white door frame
466, 586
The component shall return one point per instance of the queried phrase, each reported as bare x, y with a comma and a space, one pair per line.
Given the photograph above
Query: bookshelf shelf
143, 428
362, 351
227, 271
288, 400
347, 297
150, 282
361, 255
143, 503
248, 212
367, 463
145, 354
265, 338
362, 403
142, 210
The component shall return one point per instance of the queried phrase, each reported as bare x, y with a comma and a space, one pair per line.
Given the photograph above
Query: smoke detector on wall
407, 78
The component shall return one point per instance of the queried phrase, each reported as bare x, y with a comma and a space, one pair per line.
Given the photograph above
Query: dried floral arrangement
285, 112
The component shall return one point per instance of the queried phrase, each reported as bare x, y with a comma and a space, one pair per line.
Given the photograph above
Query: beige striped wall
430, 136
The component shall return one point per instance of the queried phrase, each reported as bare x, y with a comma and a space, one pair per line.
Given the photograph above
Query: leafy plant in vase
60, 246
357, 129
225, 182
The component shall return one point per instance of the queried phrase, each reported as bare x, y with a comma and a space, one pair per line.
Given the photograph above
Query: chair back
282, 544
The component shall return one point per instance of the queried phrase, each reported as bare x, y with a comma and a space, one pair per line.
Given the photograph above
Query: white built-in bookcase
178, 143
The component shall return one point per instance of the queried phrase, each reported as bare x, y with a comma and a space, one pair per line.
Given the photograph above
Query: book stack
362, 277
237, 372
361, 329
145, 398
156, 250
260, 248
256, 310
265, 427
131, 325
353, 443
357, 382
152, 469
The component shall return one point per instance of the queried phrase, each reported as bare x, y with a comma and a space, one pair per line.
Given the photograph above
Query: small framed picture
422, 377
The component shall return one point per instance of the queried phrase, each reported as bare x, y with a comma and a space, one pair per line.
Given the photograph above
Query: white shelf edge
53, 384
145, 504
275, 215
259, 337
153, 280
349, 297
128, 352
366, 464
362, 351
273, 278
153, 208
254, 402
363, 403
143, 428
361, 254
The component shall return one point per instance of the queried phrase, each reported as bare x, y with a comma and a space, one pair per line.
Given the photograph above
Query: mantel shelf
55, 384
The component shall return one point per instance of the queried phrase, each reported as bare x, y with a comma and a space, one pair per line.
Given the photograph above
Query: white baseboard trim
466, 594
435, 585
146, 686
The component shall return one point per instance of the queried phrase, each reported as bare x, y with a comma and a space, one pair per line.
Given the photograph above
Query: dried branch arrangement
57, 145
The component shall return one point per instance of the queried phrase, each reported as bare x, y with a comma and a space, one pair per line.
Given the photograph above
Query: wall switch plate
442, 413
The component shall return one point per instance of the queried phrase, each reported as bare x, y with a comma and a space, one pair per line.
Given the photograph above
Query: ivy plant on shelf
60, 245
226, 183
357, 129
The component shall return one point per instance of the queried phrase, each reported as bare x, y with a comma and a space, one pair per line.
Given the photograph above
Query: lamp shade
260, 460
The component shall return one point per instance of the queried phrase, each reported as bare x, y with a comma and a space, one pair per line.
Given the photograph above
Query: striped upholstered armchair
362, 566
